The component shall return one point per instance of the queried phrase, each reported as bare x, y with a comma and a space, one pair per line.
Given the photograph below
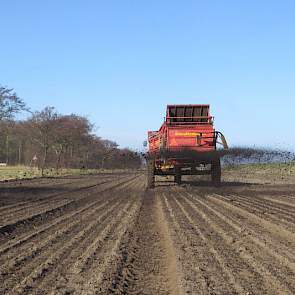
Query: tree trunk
19, 153
58, 153
7, 149
66, 157
44, 160
86, 158
58, 161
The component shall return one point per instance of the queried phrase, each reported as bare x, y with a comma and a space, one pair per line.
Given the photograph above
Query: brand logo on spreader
187, 134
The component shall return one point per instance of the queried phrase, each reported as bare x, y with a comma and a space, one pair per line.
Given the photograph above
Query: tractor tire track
146, 261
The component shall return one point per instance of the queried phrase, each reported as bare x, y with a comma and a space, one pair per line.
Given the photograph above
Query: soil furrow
290, 205
226, 261
273, 228
51, 214
24, 206
251, 230
63, 274
12, 220
245, 256
98, 265
53, 220
59, 252
35, 246
194, 278
265, 207
245, 234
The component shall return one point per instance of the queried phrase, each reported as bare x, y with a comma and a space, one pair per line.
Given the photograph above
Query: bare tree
10, 103
43, 127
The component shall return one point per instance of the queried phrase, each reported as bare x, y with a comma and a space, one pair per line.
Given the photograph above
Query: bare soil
107, 234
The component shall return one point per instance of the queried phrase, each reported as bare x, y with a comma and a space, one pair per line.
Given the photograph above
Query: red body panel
183, 130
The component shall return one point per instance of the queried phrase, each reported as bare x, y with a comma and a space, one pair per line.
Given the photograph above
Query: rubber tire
177, 176
216, 172
150, 174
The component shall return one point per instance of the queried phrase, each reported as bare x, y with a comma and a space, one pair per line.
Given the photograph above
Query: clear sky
120, 62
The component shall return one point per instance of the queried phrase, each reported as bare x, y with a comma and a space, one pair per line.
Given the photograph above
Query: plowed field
107, 234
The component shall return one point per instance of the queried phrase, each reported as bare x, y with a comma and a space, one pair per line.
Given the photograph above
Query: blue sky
121, 62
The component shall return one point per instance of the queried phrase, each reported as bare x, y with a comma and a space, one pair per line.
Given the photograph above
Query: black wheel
216, 172
177, 176
151, 174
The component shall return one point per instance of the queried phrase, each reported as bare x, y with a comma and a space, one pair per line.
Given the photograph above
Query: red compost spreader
186, 144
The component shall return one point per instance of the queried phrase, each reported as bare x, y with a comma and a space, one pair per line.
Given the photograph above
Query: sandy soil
107, 234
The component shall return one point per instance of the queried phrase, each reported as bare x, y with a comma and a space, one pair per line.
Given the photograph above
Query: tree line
48, 139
